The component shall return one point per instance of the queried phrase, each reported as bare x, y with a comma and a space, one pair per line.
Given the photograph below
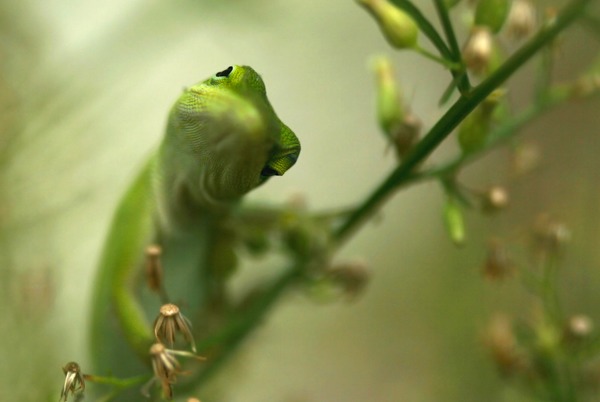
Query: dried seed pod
166, 368
154, 272
351, 276
502, 344
169, 322
74, 382
549, 235
497, 263
405, 136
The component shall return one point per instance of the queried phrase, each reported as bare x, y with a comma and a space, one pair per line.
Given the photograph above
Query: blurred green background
84, 91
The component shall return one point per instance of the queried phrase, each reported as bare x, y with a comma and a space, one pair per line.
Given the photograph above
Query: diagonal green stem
499, 135
457, 112
442, 12
462, 80
236, 333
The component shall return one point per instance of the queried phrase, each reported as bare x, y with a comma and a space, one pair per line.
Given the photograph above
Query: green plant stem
545, 69
230, 339
462, 80
549, 292
117, 382
455, 114
444, 62
442, 12
499, 135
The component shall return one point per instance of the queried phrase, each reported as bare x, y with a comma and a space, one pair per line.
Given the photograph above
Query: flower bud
400, 127
473, 131
525, 158
522, 19
589, 82
491, 14
478, 51
390, 108
494, 199
453, 218
397, 26
579, 327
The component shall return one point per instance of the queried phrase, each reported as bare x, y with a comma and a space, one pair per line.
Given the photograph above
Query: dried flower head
351, 276
166, 367
74, 382
169, 322
497, 263
502, 343
405, 135
550, 236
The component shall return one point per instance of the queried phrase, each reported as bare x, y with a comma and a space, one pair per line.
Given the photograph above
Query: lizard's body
222, 140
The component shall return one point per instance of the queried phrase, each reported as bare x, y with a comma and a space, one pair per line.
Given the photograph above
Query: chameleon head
225, 137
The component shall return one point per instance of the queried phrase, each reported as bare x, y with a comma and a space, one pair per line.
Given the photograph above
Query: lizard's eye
268, 171
225, 73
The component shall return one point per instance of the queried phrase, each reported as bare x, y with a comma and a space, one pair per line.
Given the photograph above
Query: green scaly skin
223, 139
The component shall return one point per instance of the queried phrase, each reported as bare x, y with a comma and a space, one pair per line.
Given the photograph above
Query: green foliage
550, 354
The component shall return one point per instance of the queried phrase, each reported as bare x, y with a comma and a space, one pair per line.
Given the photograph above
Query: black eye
226, 72
269, 171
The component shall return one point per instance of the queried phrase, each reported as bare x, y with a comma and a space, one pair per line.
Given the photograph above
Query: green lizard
222, 140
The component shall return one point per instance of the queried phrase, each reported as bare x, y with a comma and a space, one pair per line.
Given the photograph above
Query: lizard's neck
180, 199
